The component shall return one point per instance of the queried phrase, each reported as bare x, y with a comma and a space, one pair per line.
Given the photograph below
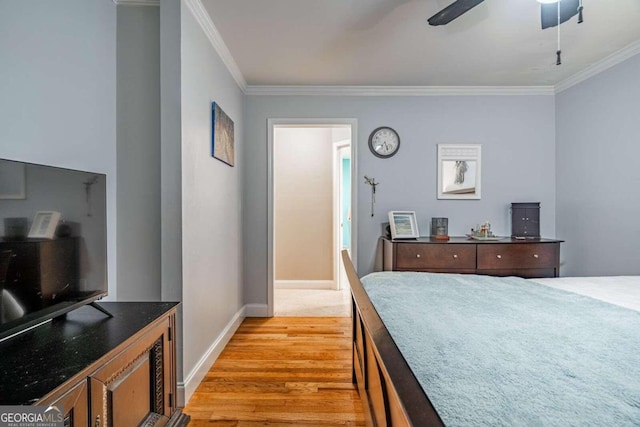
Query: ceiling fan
552, 12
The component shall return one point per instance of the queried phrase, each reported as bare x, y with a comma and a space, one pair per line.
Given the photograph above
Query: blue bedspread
508, 352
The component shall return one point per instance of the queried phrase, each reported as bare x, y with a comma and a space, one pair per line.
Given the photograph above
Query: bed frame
390, 393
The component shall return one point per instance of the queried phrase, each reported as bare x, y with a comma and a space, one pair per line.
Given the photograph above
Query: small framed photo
459, 171
44, 225
403, 225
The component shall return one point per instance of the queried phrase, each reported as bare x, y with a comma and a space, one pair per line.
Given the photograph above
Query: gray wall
517, 134
211, 199
171, 169
598, 184
170, 155
138, 153
58, 91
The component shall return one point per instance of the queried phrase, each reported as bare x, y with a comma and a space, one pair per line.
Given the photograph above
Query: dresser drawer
518, 256
415, 256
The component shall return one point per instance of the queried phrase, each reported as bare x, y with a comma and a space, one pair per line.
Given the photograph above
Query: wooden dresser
505, 257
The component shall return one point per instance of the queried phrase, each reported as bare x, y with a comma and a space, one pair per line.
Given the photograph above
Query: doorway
311, 214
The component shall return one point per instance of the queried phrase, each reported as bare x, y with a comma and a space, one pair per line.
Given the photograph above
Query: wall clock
384, 142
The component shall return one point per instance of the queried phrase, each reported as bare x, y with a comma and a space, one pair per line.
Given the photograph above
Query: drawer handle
499, 256
417, 255
536, 256
455, 255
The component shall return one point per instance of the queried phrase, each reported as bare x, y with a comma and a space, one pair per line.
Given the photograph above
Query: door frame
338, 148
272, 123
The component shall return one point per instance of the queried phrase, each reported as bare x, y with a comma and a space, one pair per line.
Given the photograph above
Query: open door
343, 213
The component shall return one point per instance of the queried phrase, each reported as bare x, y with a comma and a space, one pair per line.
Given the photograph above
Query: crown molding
137, 2
199, 12
600, 66
204, 20
399, 90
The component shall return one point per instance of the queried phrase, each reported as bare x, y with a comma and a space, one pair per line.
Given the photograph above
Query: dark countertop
36, 362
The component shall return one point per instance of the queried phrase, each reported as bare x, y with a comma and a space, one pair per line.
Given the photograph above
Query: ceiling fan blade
549, 12
453, 11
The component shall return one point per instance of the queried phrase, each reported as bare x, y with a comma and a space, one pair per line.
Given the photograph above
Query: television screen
53, 245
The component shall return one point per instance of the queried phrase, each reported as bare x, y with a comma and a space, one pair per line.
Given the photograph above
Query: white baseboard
193, 379
256, 310
304, 284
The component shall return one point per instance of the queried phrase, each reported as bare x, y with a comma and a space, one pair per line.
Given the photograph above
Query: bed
445, 349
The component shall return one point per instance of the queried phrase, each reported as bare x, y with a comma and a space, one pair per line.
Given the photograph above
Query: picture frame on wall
222, 135
403, 225
12, 180
459, 171
44, 225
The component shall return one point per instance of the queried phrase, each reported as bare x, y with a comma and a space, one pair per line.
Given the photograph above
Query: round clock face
384, 142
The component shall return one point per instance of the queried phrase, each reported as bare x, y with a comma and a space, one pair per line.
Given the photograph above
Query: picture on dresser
459, 171
403, 225
44, 224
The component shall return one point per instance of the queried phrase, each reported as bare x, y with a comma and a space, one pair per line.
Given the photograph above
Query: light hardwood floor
282, 371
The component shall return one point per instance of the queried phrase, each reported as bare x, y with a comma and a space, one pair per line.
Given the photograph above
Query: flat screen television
53, 242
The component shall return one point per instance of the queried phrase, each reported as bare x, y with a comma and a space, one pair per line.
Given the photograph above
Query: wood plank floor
281, 371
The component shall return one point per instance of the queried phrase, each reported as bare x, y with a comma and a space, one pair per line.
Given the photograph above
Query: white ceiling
389, 43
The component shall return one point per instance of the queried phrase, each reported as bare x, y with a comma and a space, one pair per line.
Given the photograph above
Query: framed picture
12, 180
459, 168
44, 224
403, 225
221, 135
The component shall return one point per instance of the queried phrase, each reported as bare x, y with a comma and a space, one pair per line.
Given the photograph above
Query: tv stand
116, 371
101, 309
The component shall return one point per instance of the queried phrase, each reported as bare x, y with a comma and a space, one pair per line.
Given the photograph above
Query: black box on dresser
525, 219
